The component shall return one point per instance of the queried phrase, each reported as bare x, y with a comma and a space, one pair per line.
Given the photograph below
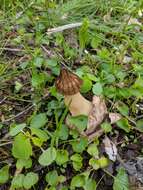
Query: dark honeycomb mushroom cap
68, 83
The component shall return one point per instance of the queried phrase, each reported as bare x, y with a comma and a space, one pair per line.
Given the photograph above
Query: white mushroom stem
78, 105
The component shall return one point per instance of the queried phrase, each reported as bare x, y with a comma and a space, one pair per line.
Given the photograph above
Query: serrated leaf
123, 124
121, 180
15, 129
21, 163
38, 120
79, 146
21, 147
52, 178
62, 157
77, 181
39, 133
4, 174
97, 89
17, 181
90, 184
86, 86
93, 150
48, 156
106, 127
30, 179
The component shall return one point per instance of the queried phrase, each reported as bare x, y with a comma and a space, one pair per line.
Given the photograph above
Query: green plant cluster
109, 60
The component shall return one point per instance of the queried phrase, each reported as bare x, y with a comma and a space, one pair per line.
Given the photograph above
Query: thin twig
64, 27
6, 143
12, 49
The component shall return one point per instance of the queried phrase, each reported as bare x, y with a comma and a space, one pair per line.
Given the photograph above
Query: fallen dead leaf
110, 148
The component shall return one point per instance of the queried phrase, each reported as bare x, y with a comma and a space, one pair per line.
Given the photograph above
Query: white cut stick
64, 27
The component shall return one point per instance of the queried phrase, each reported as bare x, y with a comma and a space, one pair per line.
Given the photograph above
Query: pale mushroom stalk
69, 85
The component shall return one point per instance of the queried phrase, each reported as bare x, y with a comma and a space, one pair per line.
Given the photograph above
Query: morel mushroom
69, 85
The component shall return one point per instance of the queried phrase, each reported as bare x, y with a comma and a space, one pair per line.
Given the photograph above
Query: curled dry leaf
97, 114
114, 117
110, 148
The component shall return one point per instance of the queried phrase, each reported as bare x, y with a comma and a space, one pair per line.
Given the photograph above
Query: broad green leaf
4, 174
38, 61
17, 181
106, 127
93, 150
22, 163
123, 109
63, 132
95, 42
77, 181
77, 161
103, 162
121, 180
38, 80
38, 120
48, 156
123, 124
80, 145
79, 121
62, 157
140, 125
97, 89
51, 63
21, 147
39, 133
52, 178
37, 141
94, 163
90, 184
30, 179
86, 86
15, 129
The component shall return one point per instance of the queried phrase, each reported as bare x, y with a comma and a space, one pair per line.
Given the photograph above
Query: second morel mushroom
69, 85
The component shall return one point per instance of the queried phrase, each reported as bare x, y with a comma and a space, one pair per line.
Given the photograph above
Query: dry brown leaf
110, 148
114, 117
97, 114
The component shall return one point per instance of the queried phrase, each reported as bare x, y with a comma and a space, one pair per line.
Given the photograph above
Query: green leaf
38, 61
22, 163
18, 86
30, 179
77, 181
63, 132
52, 178
140, 125
17, 181
51, 63
38, 80
106, 127
121, 180
95, 42
38, 120
97, 89
123, 124
39, 133
80, 145
103, 162
123, 109
93, 150
4, 174
37, 141
77, 161
94, 163
21, 147
83, 34
15, 129
62, 157
86, 86
90, 184
48, 156
79, 121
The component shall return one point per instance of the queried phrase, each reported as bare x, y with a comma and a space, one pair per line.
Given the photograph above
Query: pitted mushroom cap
68, 83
